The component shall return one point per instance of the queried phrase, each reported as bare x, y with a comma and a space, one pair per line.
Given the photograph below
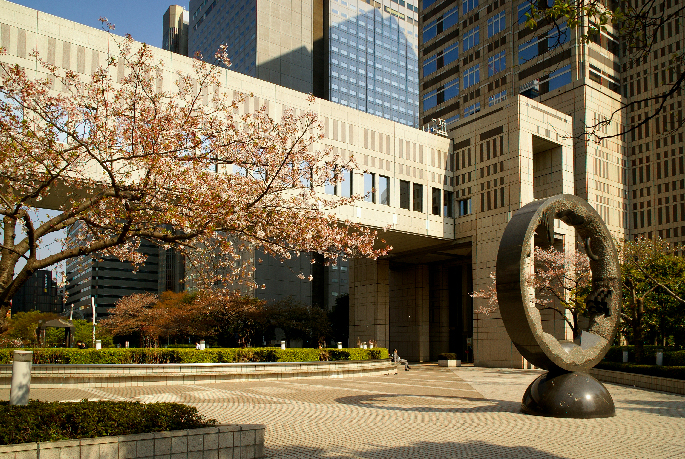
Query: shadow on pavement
671, 408
385, 402
423, 450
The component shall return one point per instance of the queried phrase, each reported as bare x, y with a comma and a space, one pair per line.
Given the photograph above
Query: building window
471, 76
435, 201
471, 109
468, 5
448, 204
496, 63
528, 50
370, 187
471, 38
524, 11
418, 197
560, 77
497, 98
464, 207
384, 190
346, 186
440, 24
496, 24
441, 59
452, 119
444, 93
404, 194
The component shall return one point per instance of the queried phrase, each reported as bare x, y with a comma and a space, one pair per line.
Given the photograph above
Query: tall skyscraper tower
175, 30
359, 53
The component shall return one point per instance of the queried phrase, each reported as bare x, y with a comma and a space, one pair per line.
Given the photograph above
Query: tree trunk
4, 316
637, 329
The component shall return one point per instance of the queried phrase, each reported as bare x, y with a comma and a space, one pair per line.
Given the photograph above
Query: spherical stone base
568, 395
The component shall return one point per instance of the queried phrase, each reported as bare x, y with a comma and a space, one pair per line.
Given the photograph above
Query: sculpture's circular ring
516, 300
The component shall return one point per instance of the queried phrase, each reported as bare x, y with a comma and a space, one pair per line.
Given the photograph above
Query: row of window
441, 59
438, 25
444, 93
543, 43
377, 190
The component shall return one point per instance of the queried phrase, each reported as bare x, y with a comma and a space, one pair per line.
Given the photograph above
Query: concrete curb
59, 376
673, 386
224, 441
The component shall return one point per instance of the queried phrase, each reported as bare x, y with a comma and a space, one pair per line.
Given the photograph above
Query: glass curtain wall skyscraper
374, 58
359, 53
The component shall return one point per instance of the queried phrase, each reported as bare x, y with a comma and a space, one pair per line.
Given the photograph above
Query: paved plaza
428, 412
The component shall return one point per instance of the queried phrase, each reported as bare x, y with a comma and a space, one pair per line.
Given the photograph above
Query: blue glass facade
374, 58
231, 22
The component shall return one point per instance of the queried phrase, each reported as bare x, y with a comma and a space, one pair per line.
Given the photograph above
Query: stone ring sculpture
566, 390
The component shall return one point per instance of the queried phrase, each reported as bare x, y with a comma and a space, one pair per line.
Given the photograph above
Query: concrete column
410, 312
369, 301
21, 377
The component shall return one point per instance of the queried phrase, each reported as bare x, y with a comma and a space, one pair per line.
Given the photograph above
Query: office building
361, 54
175, 30
107, 279
523, 98
476, 57
38, 293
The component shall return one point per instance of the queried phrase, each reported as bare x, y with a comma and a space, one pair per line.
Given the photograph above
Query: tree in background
231, 319
298, 322
23, 326
561, 283
83, 332
180, 167
653, 290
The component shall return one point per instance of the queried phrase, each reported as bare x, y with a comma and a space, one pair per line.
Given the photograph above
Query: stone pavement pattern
428, 412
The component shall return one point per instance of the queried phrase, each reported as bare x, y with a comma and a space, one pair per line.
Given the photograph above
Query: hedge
215, 355
53, 421
672, 372
671, 357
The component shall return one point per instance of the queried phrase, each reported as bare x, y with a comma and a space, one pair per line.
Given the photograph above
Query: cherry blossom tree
561, 282
135, 152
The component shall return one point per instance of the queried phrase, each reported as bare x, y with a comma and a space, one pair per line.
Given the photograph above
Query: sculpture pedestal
564, 394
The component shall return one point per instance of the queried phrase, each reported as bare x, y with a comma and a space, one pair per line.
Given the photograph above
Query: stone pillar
21, 377
369, 300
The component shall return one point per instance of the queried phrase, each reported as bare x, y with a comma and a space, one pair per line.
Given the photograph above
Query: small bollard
339, 345
202, 345
625, 356
283, 345
660, 357
98, 344
126, 345
365, 346
21, 377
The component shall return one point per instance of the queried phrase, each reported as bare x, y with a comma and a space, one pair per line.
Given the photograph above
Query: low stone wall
48, 376
674, 386
220, 442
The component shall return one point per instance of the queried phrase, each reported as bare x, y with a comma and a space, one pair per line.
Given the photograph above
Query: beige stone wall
284, 43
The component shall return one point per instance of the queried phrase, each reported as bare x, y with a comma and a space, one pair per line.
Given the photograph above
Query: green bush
447, 356
672, 357
650, 370
53, 421
214, 355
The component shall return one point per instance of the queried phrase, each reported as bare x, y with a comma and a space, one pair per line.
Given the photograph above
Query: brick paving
428, 412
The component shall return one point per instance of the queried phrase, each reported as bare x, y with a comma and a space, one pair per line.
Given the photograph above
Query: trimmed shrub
649, 370
53, 421
672, 357
214, 355
447, 356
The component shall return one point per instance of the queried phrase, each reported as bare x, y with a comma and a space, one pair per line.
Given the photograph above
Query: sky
141, 18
